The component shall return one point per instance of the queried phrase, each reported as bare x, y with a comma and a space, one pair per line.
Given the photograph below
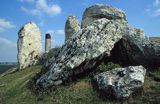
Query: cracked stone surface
120, 82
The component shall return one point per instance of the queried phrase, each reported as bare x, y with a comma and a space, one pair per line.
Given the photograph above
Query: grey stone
29, 45
99, 11
120, 83
72, 26
89, 47
91, 43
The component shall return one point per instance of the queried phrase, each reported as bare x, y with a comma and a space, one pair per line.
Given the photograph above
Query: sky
51, 15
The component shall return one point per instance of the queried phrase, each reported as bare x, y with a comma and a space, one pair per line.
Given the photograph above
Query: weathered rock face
136, 51
99, 11
72, 26
29, 45
90, 46
120, 83
81, 53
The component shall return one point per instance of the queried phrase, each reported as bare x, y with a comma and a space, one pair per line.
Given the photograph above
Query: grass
13, 90
106, 67
156, 39
4, 68
13, 86
52, 52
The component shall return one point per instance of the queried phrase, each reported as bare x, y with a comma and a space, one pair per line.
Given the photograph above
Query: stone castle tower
47, 42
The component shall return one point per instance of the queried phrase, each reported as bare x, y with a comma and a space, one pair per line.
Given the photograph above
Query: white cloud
85, 3
42, 23
148, 10
5, 43
34, 12
52, 9
57, 32
42, 6
157, 12
5, 24
2, 29
156, 3
60, 32
50, 31
8, 50
28, 1
154, 9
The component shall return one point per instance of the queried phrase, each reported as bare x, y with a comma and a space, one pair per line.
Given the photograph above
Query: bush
52, 53
106, 67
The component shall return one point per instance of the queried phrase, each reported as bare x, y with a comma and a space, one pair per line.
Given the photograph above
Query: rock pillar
72, 26
29, 45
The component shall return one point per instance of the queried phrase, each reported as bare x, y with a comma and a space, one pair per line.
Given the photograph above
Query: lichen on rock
92, 45
99, 11
120, 83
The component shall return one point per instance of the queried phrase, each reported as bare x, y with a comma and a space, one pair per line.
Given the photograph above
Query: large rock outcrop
89, 47
99, 11
72, 26
81, 53
29, 45
120, 83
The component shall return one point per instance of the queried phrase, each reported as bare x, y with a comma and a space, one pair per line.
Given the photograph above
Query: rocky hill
105, 60
105, 36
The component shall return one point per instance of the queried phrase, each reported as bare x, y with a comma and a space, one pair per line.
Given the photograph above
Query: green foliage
106, 67
13, 86
52, 53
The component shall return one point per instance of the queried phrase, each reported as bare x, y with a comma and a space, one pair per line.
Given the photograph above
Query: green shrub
52, 53
106, 67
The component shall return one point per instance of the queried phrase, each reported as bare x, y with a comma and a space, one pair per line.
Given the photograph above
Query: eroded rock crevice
128, 51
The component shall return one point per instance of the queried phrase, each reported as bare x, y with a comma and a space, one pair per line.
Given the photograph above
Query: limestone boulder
120, 83
29, 45
72, 26
83, 52
99, 11
92, 45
